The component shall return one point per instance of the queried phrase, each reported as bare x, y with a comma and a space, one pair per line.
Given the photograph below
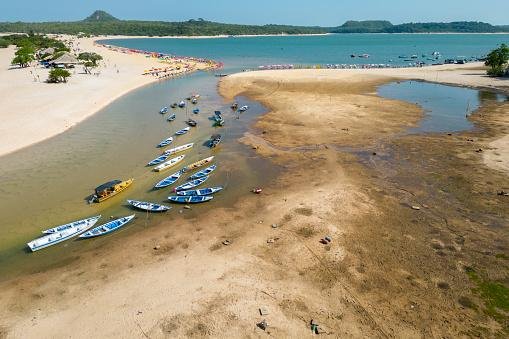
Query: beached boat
234, 106
168, 180
183, 131
194, 101
61, 235
215, 140
197, 164
203, 173
172, 117
169, 164
179, 149
218, 120
158, 160
191, 122
196, 110
107, 228
190, 200
148, 206
217, 113
165, 142
110, 189
182, 104
191, 184
200, 192
174, 105
244, 108
60, 228
164, 110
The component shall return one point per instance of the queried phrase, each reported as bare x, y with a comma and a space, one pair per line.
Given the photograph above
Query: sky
294, 12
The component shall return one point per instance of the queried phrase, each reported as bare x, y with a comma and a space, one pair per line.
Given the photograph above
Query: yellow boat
198, 164
110, 189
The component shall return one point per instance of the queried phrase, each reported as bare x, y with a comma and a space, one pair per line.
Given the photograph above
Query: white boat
191, 184
60, 228
148, 206
169, 180
203, 172
165, 142
107, 228
59, 236
183, 131
244, 108
190, 200
179, 149
182, 104
200, 192
169, 164
158, 160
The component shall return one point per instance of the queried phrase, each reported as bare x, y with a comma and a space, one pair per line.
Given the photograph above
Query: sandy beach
33, 110
407, 216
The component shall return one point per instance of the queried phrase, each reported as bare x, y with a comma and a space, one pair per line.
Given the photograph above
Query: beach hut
66, 60
46, 51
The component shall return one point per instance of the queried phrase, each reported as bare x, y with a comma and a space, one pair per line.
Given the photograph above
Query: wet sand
391, 270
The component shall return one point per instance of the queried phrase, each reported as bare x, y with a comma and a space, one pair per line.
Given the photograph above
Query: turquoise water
249, 52
46, 184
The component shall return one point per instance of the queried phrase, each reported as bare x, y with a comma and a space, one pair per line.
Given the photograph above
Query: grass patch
306, 232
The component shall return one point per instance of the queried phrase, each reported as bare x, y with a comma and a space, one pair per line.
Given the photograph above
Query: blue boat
196, 110
165, 142
107, 228
200, 192
217, 113
191, 184
164, 110
183, 131
158, 160
148, 206
169, 180
203, 173
190, 200
172, 117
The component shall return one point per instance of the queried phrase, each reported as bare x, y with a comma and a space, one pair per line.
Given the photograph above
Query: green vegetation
497, 61
495, 296
28, 44
23, 56
57, 75
90, 60
363, 27
100, 16
4, 43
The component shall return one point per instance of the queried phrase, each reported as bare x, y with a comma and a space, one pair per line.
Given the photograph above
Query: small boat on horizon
200, 192
179, 149
110, 189
172, 162
191, 184
203, 173
190, 200
107, 228
165, 142
172, 117
183, 131
148, 206
169, 180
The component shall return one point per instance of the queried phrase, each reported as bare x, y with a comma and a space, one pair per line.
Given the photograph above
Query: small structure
46, 51
66, 60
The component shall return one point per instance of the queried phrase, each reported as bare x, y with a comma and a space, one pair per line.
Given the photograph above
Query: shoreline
85, 94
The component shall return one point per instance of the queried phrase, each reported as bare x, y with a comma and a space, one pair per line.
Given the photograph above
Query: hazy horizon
326, 13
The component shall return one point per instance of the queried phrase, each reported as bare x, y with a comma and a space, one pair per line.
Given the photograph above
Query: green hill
369, 26
100, 16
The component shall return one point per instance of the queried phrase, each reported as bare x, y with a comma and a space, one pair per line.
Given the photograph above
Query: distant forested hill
102, 23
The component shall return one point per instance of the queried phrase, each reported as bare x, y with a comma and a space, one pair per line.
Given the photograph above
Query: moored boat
107, 228
158, 160
182, 104
190, 200
191, 184
148, 206
110, 189
215, 140
179, 149
169, 164
234, 106
183, 131
168, 180
194, 101
172, 117
203, 173
198, 164
165, 142
196, 110
60, 228
244, 108
163, 110
200, 192
174, 105
191, 122
59, 236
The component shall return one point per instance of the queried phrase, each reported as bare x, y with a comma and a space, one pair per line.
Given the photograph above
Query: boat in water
60, 228
148, 206
169, 180
179, 149
183, 131
203, 173
62, 235
107, 228
234, 106
172, 117
190, 200
200, 192
215, 140
194, 101
218, 120
182, 104
197, 164
191, 184
158, 160
163, 110
244, 108
165, 142
168, 164
196, 110
174, 105
110, 189
191, 122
